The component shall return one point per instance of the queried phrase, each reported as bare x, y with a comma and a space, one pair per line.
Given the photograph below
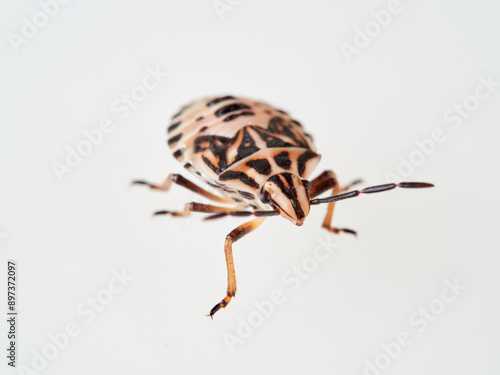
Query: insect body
259, 159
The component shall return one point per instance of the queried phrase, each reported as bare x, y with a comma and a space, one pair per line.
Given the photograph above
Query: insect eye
307, 184
265, 197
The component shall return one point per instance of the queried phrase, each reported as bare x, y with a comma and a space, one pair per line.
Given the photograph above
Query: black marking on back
222, 111
200, 118
177, 154
203, 129
246, 195
218, 146
278, 125
173, 126
219, 99
188, 165
236, 175
271, 141
283, 160
232, 117
174, 140
247, 146
302, 160
262, 166
211, 166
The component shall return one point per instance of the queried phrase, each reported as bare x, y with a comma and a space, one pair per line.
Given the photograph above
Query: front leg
325, 181
231, 238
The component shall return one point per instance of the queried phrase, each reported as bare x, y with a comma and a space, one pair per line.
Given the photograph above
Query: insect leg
200, 207
179, 180
231, 238
242, 213
325, 181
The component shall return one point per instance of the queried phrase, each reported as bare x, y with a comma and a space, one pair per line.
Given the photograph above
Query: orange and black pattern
237, 144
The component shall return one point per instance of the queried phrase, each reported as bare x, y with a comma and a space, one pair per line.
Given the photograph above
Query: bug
259, 159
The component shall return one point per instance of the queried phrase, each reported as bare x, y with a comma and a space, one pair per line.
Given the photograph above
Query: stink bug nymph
259, 159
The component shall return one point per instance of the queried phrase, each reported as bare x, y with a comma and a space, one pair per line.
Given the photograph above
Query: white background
68, 236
